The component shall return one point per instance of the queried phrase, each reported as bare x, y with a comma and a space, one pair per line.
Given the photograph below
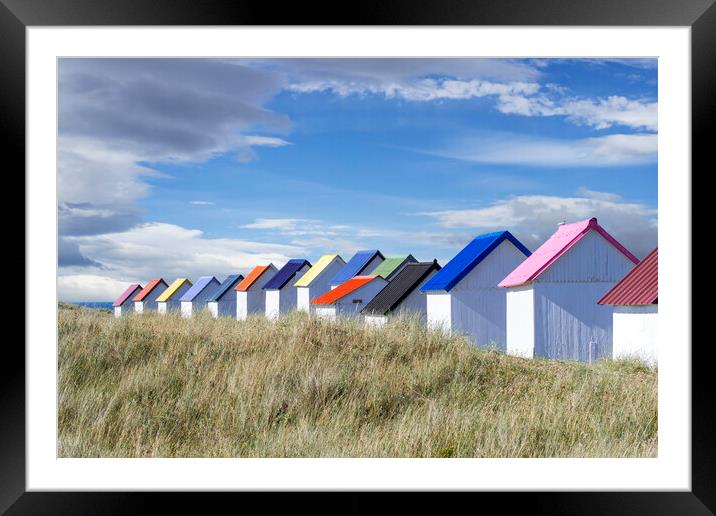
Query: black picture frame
17, 15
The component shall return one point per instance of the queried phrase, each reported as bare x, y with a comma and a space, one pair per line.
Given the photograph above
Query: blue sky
192, 167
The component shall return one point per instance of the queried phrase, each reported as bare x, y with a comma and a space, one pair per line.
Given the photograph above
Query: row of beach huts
580, 296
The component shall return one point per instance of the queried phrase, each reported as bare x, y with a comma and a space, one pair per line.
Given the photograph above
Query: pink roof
131, 289
559, 243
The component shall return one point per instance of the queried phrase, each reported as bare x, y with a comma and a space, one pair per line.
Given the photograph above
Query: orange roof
249, 280
343, 290
146, 290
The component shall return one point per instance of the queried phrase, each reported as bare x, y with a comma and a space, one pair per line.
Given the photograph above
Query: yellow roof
312, 273
168, 293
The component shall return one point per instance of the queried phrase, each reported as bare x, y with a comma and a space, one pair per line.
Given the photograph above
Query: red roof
343, 290
146, 290
639, 287
563, 240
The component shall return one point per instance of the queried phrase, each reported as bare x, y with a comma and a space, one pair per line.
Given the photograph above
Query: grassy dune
153, 386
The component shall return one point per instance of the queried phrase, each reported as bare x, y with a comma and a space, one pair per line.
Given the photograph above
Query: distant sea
95, 304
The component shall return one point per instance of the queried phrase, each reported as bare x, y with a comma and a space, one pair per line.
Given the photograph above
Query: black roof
399, 287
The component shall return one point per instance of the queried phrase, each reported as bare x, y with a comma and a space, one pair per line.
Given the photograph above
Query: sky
189, 167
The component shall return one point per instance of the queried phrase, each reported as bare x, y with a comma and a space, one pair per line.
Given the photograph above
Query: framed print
416, 253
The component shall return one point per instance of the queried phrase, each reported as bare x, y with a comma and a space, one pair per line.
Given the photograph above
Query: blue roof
467, 259
226, 286
355, 266
197, 288
284, 275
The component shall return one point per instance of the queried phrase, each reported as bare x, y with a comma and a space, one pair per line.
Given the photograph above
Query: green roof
391, 265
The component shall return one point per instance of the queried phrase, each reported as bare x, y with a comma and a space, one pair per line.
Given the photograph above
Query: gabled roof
392, 265
131, 289
639, 287
198, 287
315, 271
355, 265
150, 286
253, 277
469, 258
169, 292
559, 243
227, 285
343, 290
401, 286
286, 273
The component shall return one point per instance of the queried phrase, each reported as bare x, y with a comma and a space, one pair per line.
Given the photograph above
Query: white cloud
89, 287
515, 86
420, 90
265, 141
117, 113
600, 113
170, 251
533, 218
202, 203
512, 149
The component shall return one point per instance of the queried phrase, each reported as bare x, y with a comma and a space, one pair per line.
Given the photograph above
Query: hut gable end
591, 260
492, 269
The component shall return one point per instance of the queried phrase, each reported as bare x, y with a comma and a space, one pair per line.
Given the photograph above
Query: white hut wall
520, 317
569, 324
303, 299
478, 305
273, 303
439, 311
635, 333
186, 309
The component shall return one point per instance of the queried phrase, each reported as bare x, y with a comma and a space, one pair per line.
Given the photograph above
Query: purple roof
131, 289
198, 287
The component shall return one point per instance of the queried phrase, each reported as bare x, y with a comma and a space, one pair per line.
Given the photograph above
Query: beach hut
194, 300
250, 295
316, 281
402, 294
168, 301
146, 299
635, 309
281, 295
348, 298
222, 302
552, 309
463, 297
124, 303
363, 262
392, 265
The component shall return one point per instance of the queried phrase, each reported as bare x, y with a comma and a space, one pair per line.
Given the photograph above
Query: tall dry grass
153, 386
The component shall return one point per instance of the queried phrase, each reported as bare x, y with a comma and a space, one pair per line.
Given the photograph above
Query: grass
161, 386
